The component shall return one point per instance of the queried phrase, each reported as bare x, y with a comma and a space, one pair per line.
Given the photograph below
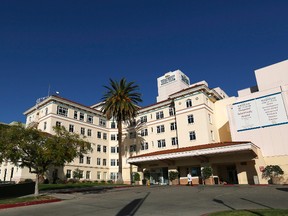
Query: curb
5, 206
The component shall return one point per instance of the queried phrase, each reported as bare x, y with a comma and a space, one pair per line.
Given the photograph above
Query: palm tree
120, 104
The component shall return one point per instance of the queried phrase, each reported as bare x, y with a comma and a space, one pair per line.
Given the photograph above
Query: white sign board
260, 112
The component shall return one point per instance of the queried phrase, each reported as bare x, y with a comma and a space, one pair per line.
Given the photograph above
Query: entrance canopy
195, 151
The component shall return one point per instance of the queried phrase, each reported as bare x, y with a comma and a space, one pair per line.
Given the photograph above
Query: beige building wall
272, 100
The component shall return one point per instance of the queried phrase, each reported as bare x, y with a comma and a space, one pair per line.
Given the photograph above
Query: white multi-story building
187, 129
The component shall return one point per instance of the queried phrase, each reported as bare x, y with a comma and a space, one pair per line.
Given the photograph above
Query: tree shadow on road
221, 202
257, 203
282, 189
132, 207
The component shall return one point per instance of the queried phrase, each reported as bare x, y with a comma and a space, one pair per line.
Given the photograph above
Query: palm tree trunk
120, 177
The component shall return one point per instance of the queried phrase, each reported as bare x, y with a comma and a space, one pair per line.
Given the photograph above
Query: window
144, 146
45, 126
62, 111
173, 126
143, 119
88, 160
161, 143
174, 141
98, 148
104, 175
46, 111
113, 176
132, 123
81, 174
82, 131
171, 111
160, 129
196, 171
75, 115
188, 103
98, 175
117, 162
89, 132
104, 148
113, 137
68, 174
105, 136
99, 134
104, 162
113, 162
113, 125
159, 115
212, 135
113, 149
209, 118
144, 132
58, 124
71, 128
133, 148
81, 159
192, 135
81, 116
89, 119
88, 174
132, 135
190, 119
102, 122
98, 161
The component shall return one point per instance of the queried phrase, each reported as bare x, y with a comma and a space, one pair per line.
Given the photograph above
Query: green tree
207, 172
272, 171
173, 175
120, 104
3, 140
77, 174
29, 147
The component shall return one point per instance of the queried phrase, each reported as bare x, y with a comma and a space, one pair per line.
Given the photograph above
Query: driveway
160, 200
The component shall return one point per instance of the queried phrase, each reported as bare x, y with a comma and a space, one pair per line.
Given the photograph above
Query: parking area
161, 200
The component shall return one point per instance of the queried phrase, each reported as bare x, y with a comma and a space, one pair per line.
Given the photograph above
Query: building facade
259, 114
190, 127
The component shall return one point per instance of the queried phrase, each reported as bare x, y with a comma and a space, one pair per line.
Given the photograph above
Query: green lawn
262, 212
43, 187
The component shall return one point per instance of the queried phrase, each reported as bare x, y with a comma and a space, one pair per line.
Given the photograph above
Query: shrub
173, 175
60, 181
103, 181
136, 176
272, 171
77, 174
96, 181
46, 181
73, 181
207, 172
110, 181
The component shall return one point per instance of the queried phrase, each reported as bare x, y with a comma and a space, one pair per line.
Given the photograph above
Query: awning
194, 151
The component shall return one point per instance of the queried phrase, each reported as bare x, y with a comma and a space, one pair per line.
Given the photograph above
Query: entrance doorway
159, 176
232, 175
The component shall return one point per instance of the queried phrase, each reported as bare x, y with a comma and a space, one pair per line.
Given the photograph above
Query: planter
209, 181
174, 182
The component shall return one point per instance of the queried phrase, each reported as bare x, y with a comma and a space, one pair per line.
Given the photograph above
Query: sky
75, 47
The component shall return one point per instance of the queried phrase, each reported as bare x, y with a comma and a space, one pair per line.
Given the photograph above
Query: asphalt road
160, 200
